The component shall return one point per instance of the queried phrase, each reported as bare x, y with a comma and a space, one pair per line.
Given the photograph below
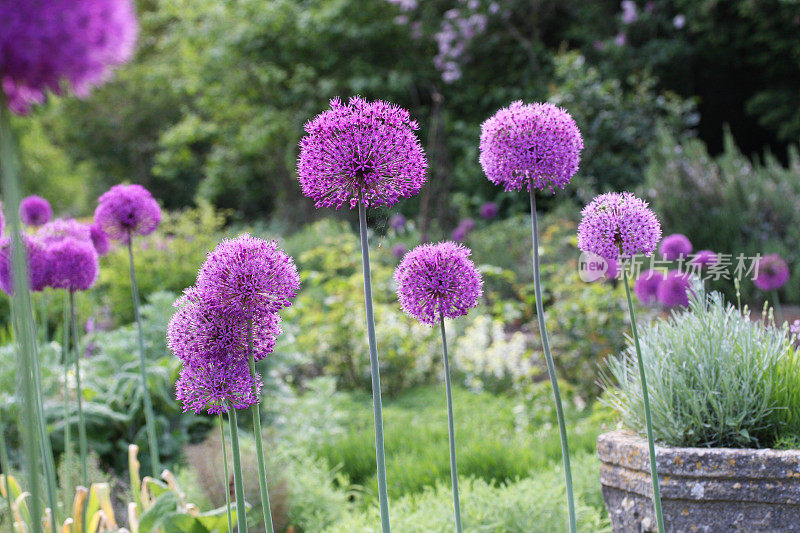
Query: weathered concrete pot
706, 490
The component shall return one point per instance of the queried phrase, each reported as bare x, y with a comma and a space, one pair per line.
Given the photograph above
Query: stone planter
702, 489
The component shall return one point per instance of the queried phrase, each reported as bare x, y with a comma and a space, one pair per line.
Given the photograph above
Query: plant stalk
647, 416
451, 430
7, 471
83, 442
148, 402
67, 482
262, 468
241, 513
227, 475
380, 454
551, 368
44, 440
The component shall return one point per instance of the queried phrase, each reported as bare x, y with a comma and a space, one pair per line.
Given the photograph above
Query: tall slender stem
44, 440
225, 471
241, 514
21, 308
451, 430
65, 359
7, 471
262, 468
148, 402
647, 417
76, 359
383, 494
551, 368
776, 303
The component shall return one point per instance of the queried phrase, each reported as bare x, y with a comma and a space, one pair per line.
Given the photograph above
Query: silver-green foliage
716, 377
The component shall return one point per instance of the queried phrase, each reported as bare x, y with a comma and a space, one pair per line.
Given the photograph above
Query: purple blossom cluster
463, 229
489, 210
673, 291
458, 28
646, 286
229, 315
530, 145
705, 259
618, 224
361, 152
675, 247
438, 280
35, 211
773, 273
397, 222
127, 210
50, 45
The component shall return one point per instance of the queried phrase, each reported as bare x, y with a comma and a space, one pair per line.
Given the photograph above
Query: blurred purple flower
467, 223
621, 39
489, 210
35, 210
675, 247
679, 21
399, 250
673, 290
127, 210
459, 234
704, 259
99, 239
397, 222
646, 286
74, 264
772, 273
63, 228
40, 264
629, 13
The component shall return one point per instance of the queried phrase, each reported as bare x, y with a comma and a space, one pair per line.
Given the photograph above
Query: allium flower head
673, 290
459, 234
397, 222
704, 258
675, 246
64, 228
438, 279
772, 273
489, 210
99, 239
399, 250
246, 276
127, 210
40, 265
47, 45
615, 224
646, 286
525, 144
467, 223
361, 151
74, 264
35, 211
217, 385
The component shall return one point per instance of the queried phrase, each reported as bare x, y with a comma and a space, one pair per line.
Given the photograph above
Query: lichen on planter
702, 489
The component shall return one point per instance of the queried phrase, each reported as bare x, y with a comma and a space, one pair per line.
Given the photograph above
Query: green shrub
715, 378
535, 504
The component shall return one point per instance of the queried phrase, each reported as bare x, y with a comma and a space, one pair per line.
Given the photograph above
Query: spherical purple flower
397, 222
127, 210
361, 152
40, 265
772, 273
35, 210
459, 234
64, 228
704, 259
468, 224
47, 45
526, 144
646, 286
215, 386
399, 250
74, 264
673, 290
615, 224
489, 210
675, 246
246, 276
435, 280
99, 239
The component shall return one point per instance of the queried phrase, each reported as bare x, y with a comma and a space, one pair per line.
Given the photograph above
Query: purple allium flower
399, 250
63, 228
74, 264
39, 264
772, 273
35, 210
646, 286
438, 279
675, 246
672, 291
47, 45
99, 239
530, 143
127, 210
489, 210
397, 222
468, 224
361, 151
246, 276
615, 224
217, 385
704, 258
459, 234
621, 39
629, 13
613, 269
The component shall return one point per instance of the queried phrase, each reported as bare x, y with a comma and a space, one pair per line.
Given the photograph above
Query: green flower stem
262, 469
44, 441
647, 417
776, 303
551, 368
76, 359
7, 471
21, 310
451, 430
241, 514
148, 402
227, 475
67, 481
383, 494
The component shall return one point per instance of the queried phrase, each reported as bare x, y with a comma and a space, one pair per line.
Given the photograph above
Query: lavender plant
535, 147
618, 225
435, 281
363, 154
